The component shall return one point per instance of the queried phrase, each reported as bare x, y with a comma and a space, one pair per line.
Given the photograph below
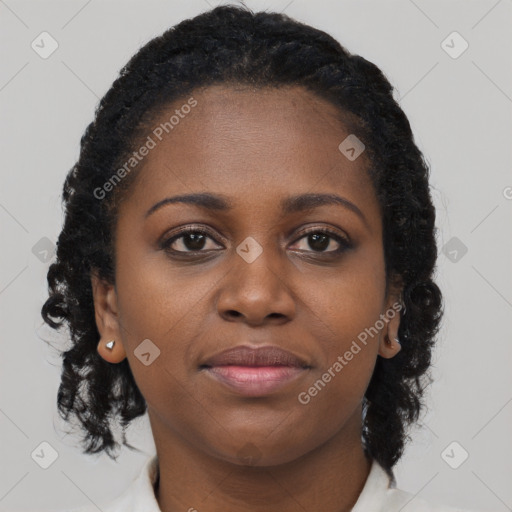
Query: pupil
197, 241
324, 243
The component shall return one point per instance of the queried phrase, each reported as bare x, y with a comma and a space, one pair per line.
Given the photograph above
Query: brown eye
188, 240
320, 240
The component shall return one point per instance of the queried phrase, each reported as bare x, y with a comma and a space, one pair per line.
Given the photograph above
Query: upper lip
244, 355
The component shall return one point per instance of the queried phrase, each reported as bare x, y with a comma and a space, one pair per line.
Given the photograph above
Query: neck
328, 478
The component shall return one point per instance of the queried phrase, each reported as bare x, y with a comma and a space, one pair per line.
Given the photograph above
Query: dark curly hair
234, 45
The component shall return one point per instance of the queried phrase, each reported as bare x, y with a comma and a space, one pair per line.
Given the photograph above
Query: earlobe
111, 351
110, 346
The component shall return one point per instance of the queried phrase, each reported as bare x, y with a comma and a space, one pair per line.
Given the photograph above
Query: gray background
459, 109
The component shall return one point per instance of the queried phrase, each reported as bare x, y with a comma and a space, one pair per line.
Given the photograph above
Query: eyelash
342, 241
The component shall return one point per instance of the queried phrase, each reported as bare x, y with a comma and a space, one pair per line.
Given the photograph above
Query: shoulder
398, 500
139, 495
380, 494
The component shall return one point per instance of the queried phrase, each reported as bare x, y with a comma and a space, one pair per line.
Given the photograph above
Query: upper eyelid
330, 231
208, 229
183, 230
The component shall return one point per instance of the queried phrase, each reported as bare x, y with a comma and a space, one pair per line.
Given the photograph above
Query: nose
256, 292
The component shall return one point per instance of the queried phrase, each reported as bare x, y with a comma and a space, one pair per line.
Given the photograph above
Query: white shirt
378, 495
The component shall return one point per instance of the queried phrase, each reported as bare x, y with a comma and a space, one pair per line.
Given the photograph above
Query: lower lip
255, 380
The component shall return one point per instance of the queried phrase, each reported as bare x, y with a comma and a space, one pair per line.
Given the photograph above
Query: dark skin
257, 148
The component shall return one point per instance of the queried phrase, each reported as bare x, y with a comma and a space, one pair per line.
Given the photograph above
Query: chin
268, 452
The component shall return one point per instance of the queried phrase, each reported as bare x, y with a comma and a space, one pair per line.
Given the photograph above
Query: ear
107, 320
389, 344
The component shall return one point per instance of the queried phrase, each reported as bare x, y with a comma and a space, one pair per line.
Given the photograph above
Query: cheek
349, 299
163, 305
345, 309
156, 300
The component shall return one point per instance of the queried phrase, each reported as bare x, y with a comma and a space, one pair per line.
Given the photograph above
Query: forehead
248, 142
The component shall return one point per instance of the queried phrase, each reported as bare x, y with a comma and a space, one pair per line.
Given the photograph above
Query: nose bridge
256, 285
257, 264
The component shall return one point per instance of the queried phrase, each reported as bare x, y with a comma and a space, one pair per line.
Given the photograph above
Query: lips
261, 356
255, 372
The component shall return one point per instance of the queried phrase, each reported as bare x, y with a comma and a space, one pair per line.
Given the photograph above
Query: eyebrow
292, 204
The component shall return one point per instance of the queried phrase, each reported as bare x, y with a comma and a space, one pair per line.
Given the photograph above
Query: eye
319, 240
192, 239
188, 239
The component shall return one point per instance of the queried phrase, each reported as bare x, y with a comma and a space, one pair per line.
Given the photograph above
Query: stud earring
398, 341
110, 344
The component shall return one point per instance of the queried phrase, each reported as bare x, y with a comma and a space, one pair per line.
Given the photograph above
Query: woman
248, 255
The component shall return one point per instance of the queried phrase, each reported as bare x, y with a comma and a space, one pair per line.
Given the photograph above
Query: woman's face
264, 274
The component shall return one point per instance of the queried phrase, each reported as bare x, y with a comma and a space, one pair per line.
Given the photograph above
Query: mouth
255, 371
